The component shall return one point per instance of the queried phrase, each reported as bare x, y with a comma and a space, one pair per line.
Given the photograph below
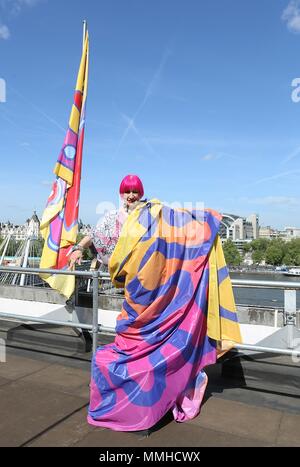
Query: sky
200, 98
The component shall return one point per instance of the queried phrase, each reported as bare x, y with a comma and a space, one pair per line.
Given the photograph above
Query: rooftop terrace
249, 402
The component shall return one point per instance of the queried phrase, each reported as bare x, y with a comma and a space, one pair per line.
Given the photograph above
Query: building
268, 232
288, 233
237, 228
31, 228
292, 232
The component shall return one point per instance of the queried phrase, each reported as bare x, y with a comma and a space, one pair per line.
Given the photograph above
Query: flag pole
84, 32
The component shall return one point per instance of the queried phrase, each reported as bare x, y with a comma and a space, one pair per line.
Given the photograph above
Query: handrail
235, 282
266, 284
95, 275
96, 328
67, 272
259, 348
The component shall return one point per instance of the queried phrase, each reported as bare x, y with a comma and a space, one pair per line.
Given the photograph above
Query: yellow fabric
131, 232
74, 119
63, 284
220, 295
64, 173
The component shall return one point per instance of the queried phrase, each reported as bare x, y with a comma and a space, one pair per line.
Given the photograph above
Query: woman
105, 236
178, 304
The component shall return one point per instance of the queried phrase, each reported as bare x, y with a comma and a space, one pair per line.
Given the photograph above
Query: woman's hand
75, 258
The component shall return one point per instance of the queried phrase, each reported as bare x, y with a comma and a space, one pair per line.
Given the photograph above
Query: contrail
50, 119
131, 125
275, 177
148, 93
293, 154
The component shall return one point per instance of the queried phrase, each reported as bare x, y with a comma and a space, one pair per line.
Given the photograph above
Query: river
263, 297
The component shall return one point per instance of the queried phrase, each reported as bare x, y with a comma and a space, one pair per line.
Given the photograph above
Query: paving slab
289, 431
4, 381
231, 417
29, 409
108, 438
190, 435
17, 367
172, 435
67, 433
44, 399
74, 381
257, 398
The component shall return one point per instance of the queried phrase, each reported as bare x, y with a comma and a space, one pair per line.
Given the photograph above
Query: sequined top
105, 235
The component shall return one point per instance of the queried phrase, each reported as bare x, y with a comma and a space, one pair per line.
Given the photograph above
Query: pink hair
131, 182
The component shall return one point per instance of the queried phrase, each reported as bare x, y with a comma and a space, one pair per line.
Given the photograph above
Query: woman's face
131, 199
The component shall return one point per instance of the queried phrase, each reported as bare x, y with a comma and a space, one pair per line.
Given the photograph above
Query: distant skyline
199, 98
261, 223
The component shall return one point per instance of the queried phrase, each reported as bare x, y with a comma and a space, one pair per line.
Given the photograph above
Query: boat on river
292, 272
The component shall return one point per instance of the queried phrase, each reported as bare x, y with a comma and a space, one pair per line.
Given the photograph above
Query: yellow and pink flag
59, 225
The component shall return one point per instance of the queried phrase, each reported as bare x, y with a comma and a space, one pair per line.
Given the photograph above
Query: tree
293, 250
246, 247
260, 244
87, 253
232, 255
13, 247
297, 260
274, 255
38, 247
287, 259
258, 256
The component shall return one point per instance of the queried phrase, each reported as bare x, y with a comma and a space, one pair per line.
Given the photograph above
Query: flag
59, 225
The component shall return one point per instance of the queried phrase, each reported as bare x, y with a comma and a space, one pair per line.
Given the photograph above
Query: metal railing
290, 300
94, 275
289, 288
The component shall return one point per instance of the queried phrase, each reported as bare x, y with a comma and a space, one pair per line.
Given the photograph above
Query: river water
263, 297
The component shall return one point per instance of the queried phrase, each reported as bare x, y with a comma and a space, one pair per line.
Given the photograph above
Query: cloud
210, 157
4, 32
291, 15
218, 155
47, 182
273, 201
16, 6
13, 8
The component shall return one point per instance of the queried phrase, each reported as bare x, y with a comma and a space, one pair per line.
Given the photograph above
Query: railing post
95, 310
290, 315
276, 318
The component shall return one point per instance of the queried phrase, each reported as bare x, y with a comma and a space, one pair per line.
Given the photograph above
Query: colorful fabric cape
178, 307
59, 225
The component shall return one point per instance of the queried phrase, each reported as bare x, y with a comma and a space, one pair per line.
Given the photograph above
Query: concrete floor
44, 399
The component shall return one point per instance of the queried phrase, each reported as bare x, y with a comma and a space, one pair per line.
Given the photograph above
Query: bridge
252, 398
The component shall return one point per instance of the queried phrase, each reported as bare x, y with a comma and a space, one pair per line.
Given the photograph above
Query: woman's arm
76, 255
85, 242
